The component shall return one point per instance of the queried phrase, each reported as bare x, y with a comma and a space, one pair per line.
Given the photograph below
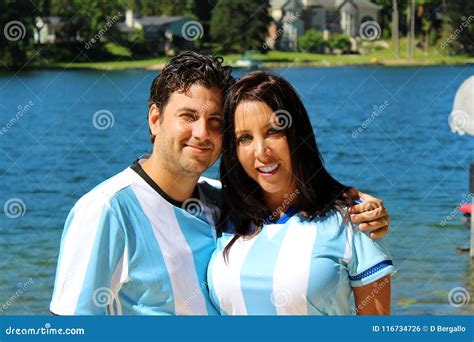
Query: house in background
163, 29
49, 30
160, 30
294, 17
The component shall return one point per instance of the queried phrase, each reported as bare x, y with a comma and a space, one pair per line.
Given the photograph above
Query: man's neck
177, 187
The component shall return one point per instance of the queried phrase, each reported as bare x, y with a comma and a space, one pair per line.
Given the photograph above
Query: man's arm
92, 246
371, 215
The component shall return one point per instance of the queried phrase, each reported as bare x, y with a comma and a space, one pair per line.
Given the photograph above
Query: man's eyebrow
188, 109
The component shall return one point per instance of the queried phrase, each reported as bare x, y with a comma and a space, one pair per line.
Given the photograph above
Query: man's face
189, 131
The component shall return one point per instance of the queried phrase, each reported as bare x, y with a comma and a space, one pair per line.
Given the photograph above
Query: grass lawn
373, 55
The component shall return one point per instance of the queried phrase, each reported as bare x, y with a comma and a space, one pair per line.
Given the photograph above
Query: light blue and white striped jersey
127, 249
298, 266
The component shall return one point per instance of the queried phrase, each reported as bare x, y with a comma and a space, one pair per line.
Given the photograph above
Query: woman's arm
373, 298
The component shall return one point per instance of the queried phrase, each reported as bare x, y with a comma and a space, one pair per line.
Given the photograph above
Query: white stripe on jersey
176, 252
292, 269
226, 278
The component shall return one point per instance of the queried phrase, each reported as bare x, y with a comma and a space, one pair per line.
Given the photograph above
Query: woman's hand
371, 215
373, 298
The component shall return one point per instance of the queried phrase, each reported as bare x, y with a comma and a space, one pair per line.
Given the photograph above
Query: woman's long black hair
318, 191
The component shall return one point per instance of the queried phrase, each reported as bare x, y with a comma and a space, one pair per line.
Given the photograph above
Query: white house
294, 17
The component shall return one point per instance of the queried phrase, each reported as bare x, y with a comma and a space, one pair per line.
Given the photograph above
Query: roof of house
293, 6
339, 3
333, 4
157, 20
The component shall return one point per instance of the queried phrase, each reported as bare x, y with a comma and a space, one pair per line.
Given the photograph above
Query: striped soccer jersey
298, 266
129, 249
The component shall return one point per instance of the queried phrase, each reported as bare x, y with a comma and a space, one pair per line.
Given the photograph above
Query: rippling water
383, 130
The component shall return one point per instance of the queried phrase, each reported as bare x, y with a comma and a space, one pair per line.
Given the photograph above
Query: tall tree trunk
395, 29
411, 29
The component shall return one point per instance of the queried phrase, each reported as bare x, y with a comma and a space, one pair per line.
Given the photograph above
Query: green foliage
340, 41
460, 28
312, 41
239, 25
16, 22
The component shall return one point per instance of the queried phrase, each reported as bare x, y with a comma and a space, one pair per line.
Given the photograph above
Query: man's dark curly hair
183, 71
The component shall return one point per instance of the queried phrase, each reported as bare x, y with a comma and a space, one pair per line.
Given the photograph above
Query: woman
290, 248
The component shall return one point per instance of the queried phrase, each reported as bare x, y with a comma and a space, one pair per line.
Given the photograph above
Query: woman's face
262, 150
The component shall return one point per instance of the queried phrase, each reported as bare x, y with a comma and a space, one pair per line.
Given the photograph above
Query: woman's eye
274, 131
244, 139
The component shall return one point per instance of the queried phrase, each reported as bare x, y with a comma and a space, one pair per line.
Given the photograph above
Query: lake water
383, 130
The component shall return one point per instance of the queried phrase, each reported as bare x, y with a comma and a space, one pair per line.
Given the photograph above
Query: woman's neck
278, 203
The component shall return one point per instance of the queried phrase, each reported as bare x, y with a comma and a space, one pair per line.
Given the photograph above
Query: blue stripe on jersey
374, 269
154, 290
324, 275
109, 242
254, 266
202, 242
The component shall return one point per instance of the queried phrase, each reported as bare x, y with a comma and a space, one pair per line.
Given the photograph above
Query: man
140, 242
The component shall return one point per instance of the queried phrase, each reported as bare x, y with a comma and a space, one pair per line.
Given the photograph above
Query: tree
312, 41
239, 25
411, 29
16, 22
460, 16
395, 28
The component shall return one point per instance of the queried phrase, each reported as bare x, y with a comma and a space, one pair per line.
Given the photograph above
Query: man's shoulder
109, 188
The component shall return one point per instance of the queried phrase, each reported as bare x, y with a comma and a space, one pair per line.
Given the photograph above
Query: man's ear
154, 116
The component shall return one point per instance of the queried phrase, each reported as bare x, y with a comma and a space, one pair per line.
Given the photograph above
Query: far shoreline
115, 66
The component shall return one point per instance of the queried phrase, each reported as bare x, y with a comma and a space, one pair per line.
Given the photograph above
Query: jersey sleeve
92, 260
370, 259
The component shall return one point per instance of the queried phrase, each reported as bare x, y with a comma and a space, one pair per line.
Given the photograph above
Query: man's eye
189, 117
244, 139
216, 122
